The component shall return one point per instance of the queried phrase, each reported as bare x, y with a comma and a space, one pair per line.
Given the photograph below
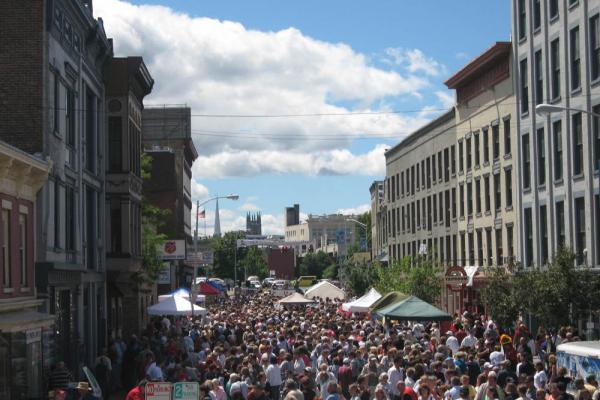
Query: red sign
170, 247
456, 278
158, 391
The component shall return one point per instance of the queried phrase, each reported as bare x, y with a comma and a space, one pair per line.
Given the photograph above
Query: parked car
268, 281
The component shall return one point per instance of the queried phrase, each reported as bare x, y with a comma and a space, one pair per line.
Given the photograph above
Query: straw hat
84, 386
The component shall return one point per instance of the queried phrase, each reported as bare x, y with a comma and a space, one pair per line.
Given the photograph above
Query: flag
202, 214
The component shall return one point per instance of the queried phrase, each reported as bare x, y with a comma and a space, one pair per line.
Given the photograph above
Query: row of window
115, 145
66, 31
477, 146
472, 251
555, 66
13, 244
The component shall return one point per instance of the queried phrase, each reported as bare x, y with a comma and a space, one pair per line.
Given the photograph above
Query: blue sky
282, 57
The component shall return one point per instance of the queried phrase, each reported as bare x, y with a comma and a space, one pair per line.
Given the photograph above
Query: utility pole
193, 285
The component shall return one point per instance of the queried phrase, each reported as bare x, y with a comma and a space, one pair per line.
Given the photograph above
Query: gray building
378, 225
556, 56
420, 192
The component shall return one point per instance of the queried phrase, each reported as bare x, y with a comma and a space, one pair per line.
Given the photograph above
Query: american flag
202, 214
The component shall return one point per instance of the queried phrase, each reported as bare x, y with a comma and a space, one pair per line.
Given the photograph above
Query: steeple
217, 229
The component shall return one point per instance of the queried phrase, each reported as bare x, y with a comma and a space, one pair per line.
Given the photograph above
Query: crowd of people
250, 348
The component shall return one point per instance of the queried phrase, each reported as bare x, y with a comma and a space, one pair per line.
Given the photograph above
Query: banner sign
164, 276
186, 391
173, 250
158, 391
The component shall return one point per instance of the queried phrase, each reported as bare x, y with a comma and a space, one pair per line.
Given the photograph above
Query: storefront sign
33, 335
164, 276
173, 250
186, 391
456, 278
158, 391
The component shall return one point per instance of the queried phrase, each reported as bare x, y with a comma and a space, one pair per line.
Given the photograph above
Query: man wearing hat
84, 391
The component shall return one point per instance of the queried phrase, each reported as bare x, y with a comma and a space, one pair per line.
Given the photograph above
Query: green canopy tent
414, 309
390, 298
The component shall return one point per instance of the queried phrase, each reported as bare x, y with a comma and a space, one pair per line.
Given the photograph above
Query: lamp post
545, 110
198, 204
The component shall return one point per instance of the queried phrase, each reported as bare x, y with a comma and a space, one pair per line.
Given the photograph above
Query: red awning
208, 290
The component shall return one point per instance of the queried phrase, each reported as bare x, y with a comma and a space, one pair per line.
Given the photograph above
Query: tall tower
217, 229
253, 224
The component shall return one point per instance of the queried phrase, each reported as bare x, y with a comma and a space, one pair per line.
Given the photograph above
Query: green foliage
358, 277
331, 272
254, 262
152, 220
224, 255
365, 219
423, 279
498, 297
314, 264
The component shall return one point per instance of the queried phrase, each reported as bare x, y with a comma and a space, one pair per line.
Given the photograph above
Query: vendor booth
390, 298
414, 309
325, 290
362, 304
175, 305
295, 299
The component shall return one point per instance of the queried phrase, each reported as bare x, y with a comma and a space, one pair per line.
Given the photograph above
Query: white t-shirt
394, 376
274, 375
496, 358
452, 344
469, 341
540, 379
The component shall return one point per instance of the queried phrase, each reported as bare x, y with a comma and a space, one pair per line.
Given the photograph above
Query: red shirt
135, 394
410, 392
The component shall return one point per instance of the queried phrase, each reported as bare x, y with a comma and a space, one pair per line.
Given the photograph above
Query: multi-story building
329, 233
292, 215
51, 62
420, 192
556, 57
128, 82
24, 332
485, 157
167, 138
378, 225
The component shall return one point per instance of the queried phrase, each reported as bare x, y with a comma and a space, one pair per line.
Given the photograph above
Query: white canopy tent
295, 299
200, 298
324, 290
363, 303
175, 305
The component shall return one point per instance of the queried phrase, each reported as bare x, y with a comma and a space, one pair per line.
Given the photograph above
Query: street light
545, 110
363, 225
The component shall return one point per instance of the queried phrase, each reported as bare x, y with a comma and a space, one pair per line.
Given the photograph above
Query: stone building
378, 225
556, 57
52, 105
253, 224
128, 82
332, 234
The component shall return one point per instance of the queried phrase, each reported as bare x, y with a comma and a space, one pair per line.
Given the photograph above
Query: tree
254, 262
314, 264
152, 220
419, 277
365, 218
358, 277
225, 254
331, 272
498, 297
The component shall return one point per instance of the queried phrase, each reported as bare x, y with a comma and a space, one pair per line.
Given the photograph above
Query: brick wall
22, 73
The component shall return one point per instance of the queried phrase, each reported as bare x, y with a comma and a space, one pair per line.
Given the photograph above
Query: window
544, 235
463, 254
6, 240
479, 260
498, 246
497, 192
441, 206
412, 180
56, 104
526, 162
560, 224
553, 8
522, 15
460, 157
595, 46
440, 165
469, 199
555, 68
496, 139
433, 170
70, 117
539, 77
398, 186
401, 184
468, 153
478, 196
524, 86
70, 205
528, 238
507, 136
537, 15
57, 218
453, 203
418, 177
541, 157
577, 145
393, 188
446, 165
23, 248
423, 173
508, 186
486, 193
115, 144
428, 166
90, 134
429, 213
488, 243
509, 241
596, 137
486, 151
476, 142
453, 160
462, 201
418, 214
448, 211
557, 133
580, 230
575, 59
471, 249
90, 237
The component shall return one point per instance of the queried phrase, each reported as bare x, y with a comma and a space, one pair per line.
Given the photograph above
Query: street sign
186, 391
164, 276
158, 391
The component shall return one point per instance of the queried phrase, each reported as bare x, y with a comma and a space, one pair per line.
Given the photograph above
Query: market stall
362, 304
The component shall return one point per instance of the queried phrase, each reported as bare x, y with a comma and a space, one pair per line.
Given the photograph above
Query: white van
580, 358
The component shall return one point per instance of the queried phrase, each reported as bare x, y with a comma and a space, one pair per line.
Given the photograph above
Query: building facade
128, 82
329, 233
253, 224
378, 225
167, 138
556, 56
24, 332
55, 84
420, 192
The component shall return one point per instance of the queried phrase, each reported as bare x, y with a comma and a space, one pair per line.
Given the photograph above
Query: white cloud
222, 67
446, 98
331, 162
361, 209
199, 191
249, 207
414, 61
